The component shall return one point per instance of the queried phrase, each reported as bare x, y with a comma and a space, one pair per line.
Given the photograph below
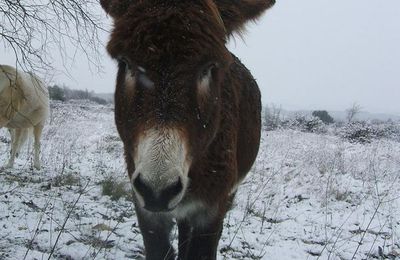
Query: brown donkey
188, 113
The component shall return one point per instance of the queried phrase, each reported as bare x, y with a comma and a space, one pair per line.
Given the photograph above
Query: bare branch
33, 30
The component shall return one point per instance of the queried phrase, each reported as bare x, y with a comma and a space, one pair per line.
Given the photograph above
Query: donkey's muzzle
157, 201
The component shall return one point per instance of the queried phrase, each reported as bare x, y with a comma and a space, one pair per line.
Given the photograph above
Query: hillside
309, 196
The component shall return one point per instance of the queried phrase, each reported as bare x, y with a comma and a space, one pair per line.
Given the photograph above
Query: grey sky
308, 54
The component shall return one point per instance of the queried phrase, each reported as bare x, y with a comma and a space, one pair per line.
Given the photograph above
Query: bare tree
273, 117
352, 112
34, 29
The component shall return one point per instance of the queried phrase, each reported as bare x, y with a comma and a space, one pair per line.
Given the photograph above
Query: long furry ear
115, 8
235, 13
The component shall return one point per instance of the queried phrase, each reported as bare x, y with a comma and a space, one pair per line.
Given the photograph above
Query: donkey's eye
205, 79
143, 79
124, 62
130, 73
206, 72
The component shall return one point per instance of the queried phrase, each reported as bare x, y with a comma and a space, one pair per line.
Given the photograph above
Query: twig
66, 220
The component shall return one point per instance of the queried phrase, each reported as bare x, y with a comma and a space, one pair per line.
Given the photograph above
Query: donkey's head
172, 63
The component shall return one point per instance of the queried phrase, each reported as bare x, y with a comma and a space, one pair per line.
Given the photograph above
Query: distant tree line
64, 94
320, 122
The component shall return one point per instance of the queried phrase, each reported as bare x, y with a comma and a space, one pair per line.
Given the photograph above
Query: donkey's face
171, 65
172, 61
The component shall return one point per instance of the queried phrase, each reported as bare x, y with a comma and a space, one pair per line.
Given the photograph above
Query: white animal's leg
18, 137
22, 139
37, 132
15, 135
12, 134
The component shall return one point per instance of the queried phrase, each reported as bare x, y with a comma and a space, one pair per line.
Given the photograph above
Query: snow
308, 196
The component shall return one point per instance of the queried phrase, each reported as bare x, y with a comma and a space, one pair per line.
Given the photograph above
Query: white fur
187, 209
129, 79
24, 105
204, 84
235, 187
161, 158
195, 210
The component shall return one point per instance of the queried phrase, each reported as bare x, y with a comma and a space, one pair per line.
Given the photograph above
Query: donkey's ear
115, 8
235, 13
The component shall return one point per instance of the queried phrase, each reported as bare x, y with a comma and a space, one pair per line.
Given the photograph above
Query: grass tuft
115, 189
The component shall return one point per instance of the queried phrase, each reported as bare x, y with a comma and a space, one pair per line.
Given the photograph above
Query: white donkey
24, 105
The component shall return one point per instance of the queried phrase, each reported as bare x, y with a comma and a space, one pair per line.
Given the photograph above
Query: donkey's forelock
231, 14
151, 32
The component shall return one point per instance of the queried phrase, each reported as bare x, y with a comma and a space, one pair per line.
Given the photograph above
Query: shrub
314, 125
56, 93
305, 124
323, 115
115, 189
389, 130
360, 132
68, 179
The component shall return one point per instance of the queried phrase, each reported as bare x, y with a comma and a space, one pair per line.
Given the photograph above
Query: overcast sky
308, 54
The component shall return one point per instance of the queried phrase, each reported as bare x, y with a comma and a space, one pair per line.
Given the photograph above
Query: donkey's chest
194, 210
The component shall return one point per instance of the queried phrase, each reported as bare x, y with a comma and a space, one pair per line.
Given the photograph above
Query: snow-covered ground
309, 196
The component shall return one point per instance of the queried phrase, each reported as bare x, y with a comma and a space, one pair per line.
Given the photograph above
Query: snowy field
309, 196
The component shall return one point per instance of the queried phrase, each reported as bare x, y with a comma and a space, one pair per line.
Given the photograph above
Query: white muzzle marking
161, 159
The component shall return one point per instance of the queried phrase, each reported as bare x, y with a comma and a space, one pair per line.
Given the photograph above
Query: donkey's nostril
142, 187
157, 198
138, 181
172, 190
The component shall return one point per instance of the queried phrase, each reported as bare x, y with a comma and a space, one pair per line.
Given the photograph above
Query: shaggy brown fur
164, 49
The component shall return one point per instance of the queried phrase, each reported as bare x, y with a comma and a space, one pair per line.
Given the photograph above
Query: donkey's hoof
5, 167
37, 166
8, 166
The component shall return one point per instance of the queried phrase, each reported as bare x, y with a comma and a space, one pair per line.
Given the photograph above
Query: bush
68, 179
323, 115
56, 93
314, 125
360, 132
366, 132
115, 189
305, 124
392, 131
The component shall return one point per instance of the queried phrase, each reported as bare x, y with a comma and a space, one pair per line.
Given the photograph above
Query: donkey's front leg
185, 233
204, 240
156, 229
